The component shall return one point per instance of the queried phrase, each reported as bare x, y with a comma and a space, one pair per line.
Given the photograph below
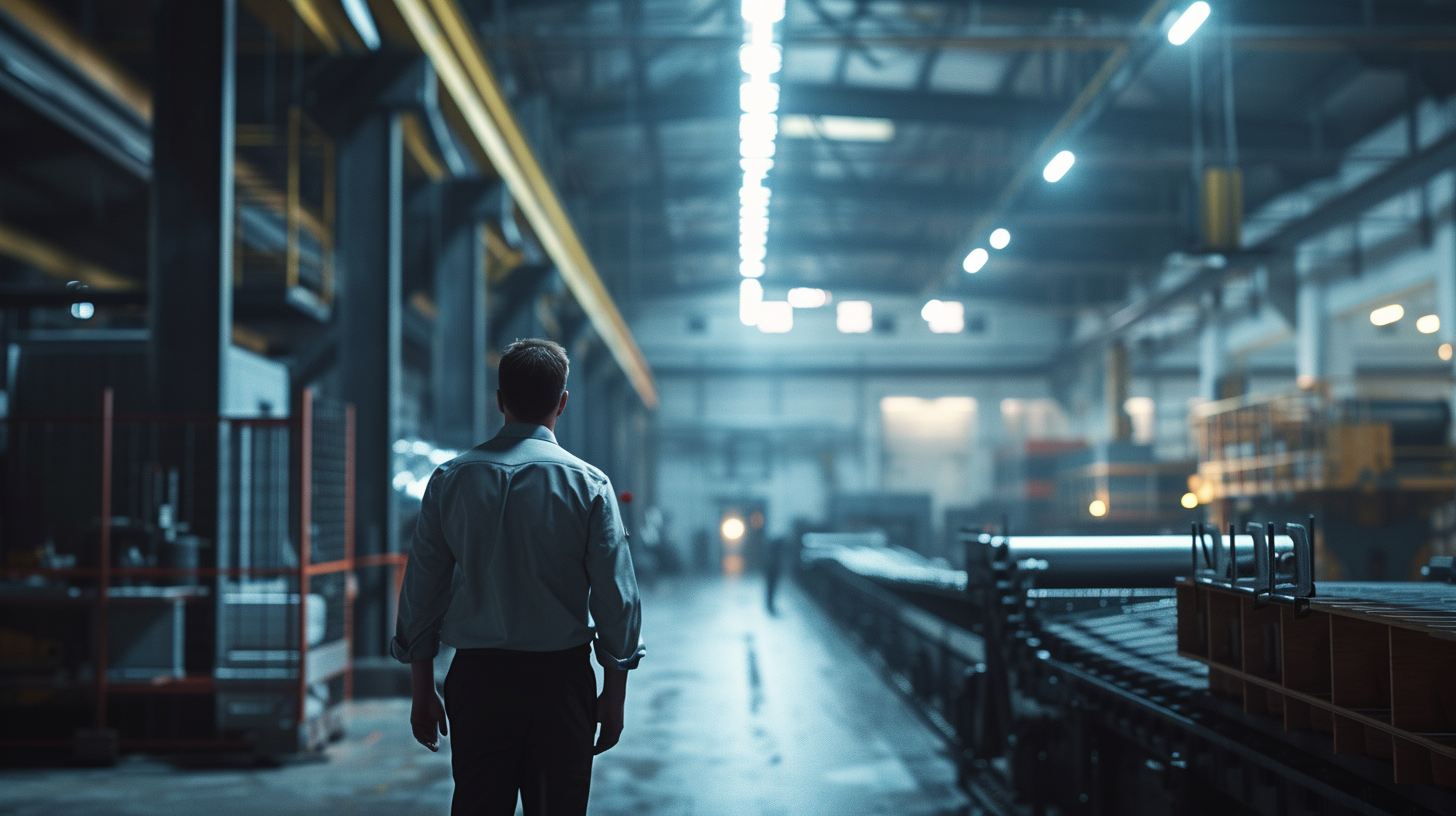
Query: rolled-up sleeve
426, 593
616, 608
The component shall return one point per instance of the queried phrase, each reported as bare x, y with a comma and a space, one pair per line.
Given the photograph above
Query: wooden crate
1372, 665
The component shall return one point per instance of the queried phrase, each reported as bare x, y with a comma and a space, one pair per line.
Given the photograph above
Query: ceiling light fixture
1000, 238
755, 96
358, 13
1386, 315
803, 297
854, 316
1429, 324
754, 170
838, 128
756, 148
750, 295
761, 59
1188, 22
975, 260
758, 126
1058, 166
945, 316
763, 12
775, 317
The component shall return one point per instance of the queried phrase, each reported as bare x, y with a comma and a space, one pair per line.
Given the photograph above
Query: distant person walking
516, 542
773, 561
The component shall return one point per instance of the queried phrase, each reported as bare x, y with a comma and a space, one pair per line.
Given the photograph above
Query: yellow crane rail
443, 33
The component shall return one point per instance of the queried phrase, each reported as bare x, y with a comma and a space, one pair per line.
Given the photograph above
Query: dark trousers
521, 721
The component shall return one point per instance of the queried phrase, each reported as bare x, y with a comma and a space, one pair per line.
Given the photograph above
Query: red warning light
625, 496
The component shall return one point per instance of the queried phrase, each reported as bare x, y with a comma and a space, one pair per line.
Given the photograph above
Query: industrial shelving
277, 595
1308, 441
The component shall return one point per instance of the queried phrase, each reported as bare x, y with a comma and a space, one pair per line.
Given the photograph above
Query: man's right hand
610, 705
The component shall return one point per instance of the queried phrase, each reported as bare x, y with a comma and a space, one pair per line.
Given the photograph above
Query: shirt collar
527, 430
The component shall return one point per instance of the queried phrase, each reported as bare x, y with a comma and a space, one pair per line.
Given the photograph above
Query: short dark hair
532, 377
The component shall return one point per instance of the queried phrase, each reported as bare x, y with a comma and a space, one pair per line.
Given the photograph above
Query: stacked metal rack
124, 629
1063, 689
1307, 441
1374, 472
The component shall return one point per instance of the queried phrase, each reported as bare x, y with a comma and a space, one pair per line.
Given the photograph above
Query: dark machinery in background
1058, 670
1376, 474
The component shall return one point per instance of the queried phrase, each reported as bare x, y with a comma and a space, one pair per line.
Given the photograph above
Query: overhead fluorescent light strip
758, 128
837, 128
1188, 22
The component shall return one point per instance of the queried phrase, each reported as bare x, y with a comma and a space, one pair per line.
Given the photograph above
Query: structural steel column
1212, 358
459, 373
371, 205
1310, 334
1323, 342
1115, 391
192, 204
1446, 300
190, 275
1340, 354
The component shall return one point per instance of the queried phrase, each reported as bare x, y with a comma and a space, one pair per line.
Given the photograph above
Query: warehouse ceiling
902, 126
634, 105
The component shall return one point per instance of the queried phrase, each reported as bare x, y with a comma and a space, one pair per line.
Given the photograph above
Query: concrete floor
732, 712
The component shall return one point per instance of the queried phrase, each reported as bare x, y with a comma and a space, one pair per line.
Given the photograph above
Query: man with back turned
516, 542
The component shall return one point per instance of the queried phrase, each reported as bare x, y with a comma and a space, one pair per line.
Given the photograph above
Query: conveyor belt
1430, 608
1140, 637
1088, 687
1064, 562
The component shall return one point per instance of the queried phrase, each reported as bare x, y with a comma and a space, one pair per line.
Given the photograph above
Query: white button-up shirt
516, 541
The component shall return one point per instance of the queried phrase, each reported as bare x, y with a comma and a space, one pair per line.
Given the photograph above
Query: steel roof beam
973, 110
1434, 35
1402, 175
910, 247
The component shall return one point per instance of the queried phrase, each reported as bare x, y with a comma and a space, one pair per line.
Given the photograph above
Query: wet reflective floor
733, 711
737, 712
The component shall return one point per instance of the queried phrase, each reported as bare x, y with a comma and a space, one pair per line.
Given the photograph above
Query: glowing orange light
732, 528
